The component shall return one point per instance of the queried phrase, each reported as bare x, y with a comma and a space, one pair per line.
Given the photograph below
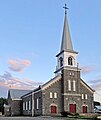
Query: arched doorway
53, 108
72, 108
84, 109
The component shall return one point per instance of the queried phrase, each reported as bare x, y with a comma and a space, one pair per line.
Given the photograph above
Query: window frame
26, 105
29, 105
69, 85
55, 94
74, 85
61, 61
82, 96
37, 103
86, 96
70, 61
51, 95
23, 105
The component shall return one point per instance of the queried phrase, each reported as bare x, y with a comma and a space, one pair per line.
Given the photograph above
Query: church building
65, 92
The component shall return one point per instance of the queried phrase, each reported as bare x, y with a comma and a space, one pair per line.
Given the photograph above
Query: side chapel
65, 92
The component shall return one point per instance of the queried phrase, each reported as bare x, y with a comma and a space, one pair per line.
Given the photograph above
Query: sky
30, 38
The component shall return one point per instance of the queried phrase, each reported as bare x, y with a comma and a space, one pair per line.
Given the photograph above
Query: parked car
97, 109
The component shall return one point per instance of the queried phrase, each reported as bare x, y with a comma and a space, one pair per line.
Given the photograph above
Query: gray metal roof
66, 39
16, 93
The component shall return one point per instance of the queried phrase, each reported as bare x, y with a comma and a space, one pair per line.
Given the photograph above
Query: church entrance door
72, 108
53, 109
84, 109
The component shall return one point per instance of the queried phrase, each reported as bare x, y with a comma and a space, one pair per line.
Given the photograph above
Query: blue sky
30, 37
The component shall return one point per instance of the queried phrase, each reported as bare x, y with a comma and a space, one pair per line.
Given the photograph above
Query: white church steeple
67, 56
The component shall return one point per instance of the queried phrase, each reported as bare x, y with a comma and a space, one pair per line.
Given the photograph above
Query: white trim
74, 85
84, 105
54, 80
71, 94
16, 99
29, 105
69, 85
50, 95
37, 103
82, 96
27, 95
86, 96
37, 91
23, 105
55, 94
26, 105
71, 68
53, 104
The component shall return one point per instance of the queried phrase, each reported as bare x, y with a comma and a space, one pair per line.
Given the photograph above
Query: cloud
97, 96
97, 86
3, 91
32, 82
18, 65
8, 81
96, 83
87, 69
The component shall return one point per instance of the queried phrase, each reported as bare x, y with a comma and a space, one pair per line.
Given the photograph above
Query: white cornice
27, 95
71, 94
16, 99
37, 91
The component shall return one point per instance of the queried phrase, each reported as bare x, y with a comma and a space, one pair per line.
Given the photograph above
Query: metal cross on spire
65, 7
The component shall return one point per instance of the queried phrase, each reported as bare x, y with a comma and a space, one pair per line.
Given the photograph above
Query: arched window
69, 85
70, 61
74, 85
61, 61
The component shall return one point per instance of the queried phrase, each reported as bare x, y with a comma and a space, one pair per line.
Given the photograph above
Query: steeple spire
66, 39
67, 56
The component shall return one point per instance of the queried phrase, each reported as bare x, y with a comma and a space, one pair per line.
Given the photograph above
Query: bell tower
67, 66
67, 57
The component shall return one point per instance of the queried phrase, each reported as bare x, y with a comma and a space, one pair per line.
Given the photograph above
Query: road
37, 118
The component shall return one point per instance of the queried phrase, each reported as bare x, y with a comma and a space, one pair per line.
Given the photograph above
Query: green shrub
65, 113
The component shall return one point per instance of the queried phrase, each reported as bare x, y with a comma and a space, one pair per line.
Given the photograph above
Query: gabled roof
87, 86
30, 93
50, 82
44, 86
16, 93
